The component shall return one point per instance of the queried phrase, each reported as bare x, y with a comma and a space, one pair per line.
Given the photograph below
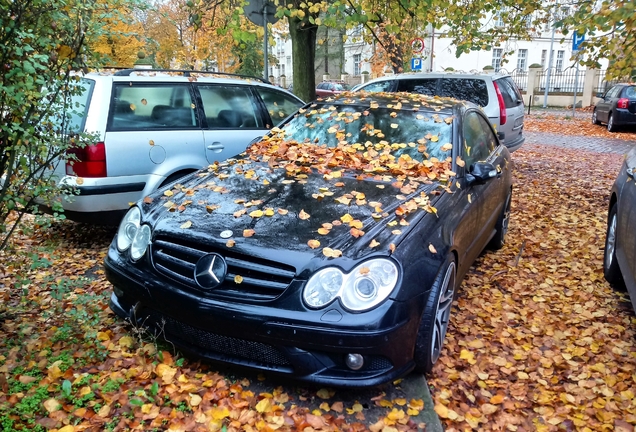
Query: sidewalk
595, 144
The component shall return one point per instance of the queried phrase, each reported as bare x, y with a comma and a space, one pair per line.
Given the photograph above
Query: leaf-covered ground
563, 123
538, 339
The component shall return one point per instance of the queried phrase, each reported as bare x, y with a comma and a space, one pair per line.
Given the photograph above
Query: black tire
611, 126
595, 119
611, 270
499, 240
435, 318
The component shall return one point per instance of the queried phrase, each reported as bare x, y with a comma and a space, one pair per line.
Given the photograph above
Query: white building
439, 54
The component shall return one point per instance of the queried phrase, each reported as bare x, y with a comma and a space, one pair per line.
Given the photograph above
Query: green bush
41, 43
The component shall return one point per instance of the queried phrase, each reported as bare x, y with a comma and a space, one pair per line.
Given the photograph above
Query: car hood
263, 212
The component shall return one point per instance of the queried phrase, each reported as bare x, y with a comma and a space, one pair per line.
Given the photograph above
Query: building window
559, 60
522, 57
289, 66
496, 58
282, 69
356, 64
544, 56
499, 22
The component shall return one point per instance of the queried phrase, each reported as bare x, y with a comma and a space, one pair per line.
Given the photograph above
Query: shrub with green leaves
43, 44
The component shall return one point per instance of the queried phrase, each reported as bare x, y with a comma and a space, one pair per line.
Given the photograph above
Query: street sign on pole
577, 40
416, 64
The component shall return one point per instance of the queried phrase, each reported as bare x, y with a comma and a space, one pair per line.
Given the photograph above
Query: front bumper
303, 344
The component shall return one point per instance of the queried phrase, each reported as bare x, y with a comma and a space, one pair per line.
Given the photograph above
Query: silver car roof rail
187, 72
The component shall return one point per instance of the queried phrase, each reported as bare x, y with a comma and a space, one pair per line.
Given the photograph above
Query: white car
154, 127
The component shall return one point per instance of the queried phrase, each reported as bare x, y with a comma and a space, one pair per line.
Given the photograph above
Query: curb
415, 386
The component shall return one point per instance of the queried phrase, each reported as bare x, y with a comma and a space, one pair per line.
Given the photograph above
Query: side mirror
480, 172
600, 95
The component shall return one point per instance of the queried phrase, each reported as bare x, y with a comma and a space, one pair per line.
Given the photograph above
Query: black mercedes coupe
331, 250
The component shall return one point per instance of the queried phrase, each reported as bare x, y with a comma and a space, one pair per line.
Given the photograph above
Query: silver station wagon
155, 126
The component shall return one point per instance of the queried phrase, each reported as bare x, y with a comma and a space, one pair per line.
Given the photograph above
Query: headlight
140, 242
365, 287
128, 229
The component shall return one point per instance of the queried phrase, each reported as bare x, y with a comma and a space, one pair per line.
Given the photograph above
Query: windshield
403, 131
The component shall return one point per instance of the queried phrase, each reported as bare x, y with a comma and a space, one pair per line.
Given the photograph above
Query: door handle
216, 146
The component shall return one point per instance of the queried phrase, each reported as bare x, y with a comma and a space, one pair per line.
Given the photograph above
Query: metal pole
547, 78
266, 66
576, 85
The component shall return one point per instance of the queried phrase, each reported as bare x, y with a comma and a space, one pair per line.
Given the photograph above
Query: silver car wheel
594, 119
442, 315
610, 242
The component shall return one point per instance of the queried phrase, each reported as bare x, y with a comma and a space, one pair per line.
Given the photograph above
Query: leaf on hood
303, 215
186, 225
313, 244
331, 253
248, 232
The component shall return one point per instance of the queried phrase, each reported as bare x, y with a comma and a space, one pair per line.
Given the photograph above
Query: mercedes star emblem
210, 271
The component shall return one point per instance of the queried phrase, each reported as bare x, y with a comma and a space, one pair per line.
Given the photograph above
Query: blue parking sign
416, 63
577, 40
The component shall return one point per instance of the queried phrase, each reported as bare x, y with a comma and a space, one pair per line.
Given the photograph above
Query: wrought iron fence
603, 84
520, 77
561, 81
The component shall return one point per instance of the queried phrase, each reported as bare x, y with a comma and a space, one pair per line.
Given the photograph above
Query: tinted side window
143, 106
230, 107
509, 93
469, 89
422, 86
613, 92
381, 86
321, 86
278, 104
479, 140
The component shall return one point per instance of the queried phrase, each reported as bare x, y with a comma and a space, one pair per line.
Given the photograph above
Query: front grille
221, 345
262, 279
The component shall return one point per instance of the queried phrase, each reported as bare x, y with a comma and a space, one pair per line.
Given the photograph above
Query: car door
153, 128
626, 225
604, 106
232, 119
487, 198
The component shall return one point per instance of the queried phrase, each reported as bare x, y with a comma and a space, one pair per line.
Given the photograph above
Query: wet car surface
330, 251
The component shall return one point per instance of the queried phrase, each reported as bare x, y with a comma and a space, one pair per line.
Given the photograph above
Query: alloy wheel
442, 315
610, 243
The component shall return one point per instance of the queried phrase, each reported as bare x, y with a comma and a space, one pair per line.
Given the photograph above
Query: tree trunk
303, 37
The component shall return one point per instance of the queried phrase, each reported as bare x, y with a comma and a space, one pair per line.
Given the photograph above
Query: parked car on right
617, 107
619, 263
496, 93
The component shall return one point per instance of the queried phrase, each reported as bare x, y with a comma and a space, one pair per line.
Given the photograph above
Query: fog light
354, 361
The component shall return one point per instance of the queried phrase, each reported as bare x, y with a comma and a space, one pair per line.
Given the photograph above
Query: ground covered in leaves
538, 339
